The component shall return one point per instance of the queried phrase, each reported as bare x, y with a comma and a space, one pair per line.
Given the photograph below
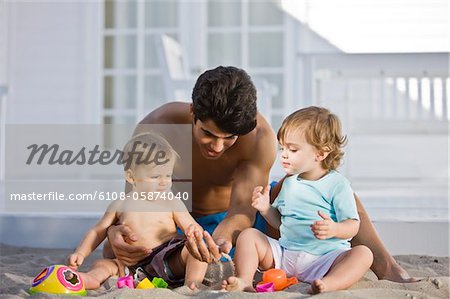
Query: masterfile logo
81, 168
52, 155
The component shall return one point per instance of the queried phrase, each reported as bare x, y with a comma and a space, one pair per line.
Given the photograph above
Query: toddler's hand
324, 229
261, 199
224, 245
75, 260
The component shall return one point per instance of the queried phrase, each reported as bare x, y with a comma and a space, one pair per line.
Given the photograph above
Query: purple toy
125, 281
265, 287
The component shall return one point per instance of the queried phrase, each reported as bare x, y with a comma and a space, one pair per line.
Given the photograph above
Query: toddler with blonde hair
315, 212
152, 215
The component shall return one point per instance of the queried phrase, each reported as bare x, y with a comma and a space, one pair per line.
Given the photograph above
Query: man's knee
108, 253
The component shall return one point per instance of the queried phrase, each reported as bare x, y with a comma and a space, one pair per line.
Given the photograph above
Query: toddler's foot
90, 282
193, 285
237, 284
318, 286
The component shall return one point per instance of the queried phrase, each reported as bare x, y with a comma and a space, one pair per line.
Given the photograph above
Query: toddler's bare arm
327, 228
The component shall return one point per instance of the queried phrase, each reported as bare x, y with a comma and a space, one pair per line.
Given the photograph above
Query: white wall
3, 22
51, 65
52, 72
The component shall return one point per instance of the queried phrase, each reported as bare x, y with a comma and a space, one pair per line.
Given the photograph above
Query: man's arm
249, 174
241, 214
384, 266
271, 231
273, 217
276, 189
116, 247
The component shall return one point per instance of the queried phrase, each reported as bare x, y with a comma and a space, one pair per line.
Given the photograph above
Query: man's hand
128, 254
201, 245
75, 260
261, 199
324, 229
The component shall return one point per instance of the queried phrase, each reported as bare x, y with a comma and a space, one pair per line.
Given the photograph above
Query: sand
18, 267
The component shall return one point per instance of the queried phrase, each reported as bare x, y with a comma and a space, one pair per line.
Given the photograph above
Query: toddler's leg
181, 263
100, 271
347, 269
252, 250
195, 270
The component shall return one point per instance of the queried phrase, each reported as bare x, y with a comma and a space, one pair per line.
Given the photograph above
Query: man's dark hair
227, 96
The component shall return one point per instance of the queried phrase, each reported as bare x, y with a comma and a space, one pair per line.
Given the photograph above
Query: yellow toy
58, 279
145, 284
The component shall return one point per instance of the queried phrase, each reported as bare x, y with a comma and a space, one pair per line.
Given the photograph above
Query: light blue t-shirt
298, 203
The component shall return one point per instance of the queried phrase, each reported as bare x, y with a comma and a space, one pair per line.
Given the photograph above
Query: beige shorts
303, 265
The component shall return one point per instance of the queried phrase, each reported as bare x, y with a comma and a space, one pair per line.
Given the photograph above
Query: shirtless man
233, 149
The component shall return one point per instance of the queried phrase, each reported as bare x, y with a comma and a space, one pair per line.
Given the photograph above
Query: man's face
211, 140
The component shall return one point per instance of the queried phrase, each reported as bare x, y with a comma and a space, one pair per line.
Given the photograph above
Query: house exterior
98, 63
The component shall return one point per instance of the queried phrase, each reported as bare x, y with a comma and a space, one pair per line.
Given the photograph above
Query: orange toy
278, 278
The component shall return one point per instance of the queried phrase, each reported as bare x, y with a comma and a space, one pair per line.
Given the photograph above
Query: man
233, 149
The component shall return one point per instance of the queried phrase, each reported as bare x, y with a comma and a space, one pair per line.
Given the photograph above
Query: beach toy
125, 281
145, 284
58, 279
278, 278
265, 287
159, 282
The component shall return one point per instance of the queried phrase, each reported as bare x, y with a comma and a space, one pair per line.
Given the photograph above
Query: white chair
265, 92
177, 81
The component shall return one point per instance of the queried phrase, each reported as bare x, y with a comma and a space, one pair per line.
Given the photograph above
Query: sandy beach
20, 265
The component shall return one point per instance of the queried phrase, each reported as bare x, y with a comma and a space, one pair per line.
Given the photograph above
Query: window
253, 35
131, 76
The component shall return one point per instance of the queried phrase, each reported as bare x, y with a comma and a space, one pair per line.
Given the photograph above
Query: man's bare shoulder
264, 132
170, 113
261, 142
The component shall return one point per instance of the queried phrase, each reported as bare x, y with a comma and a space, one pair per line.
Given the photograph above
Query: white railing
395, 87
395, 111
